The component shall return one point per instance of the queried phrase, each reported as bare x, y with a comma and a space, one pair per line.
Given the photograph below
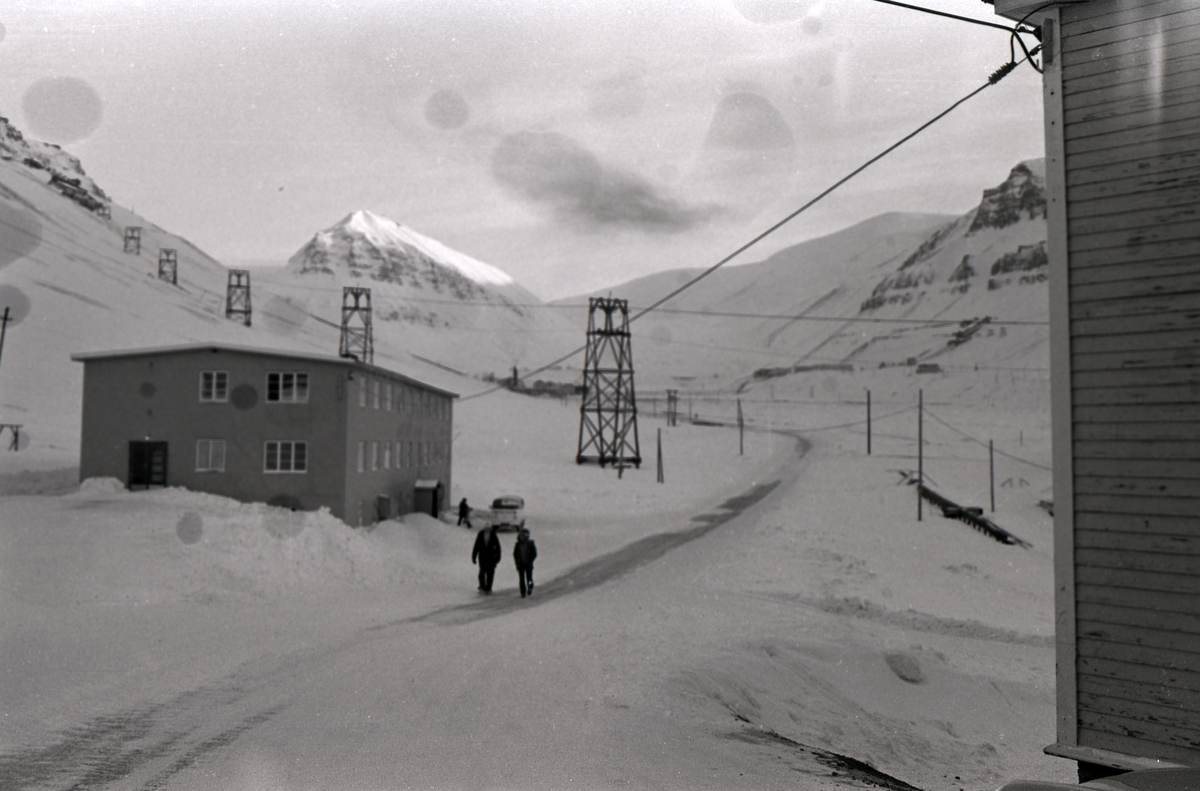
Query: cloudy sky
573, 144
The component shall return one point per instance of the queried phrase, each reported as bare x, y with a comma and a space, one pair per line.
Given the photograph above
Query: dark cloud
62, 109
560, 174
20, 233
749, 122
447, 109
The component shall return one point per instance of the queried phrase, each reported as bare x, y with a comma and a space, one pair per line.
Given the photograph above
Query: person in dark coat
464, 513
487, 554
524, 553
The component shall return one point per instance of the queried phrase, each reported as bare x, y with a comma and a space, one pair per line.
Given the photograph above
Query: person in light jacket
524, 553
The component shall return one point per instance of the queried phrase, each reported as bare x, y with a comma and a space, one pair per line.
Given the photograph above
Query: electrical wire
922, 9
981, 442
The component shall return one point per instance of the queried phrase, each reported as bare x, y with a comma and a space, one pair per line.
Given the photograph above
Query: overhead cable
996, 77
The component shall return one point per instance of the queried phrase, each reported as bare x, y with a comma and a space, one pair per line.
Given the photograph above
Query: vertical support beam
661, 479
1062, 431
741, 431
868, 422
920, 448
992, 473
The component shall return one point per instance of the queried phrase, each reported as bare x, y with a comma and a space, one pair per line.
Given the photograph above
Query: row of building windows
278, 456
380, 395
291, 387
283, 387
292, 456
377, 455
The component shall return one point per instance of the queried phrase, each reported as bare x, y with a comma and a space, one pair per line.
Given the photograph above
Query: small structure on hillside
303, 431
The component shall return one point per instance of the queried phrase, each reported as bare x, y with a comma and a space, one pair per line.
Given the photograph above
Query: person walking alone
524, 553
464, 513
487, 554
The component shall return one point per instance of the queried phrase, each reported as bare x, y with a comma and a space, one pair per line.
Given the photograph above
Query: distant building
297, 430
1122, 98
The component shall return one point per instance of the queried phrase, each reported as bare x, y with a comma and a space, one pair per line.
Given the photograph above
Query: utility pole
660, 461
868, 422
741, 431
920, 448
4, 320
992, 473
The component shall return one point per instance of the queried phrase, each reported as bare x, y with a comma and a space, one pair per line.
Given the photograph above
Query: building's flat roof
158, 351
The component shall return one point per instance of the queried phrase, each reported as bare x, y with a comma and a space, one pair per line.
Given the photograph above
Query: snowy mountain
365, 244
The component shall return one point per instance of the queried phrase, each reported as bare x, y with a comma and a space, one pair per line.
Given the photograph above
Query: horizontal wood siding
1131, 138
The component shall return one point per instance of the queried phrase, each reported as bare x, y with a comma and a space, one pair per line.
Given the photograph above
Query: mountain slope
894, 291
70, 287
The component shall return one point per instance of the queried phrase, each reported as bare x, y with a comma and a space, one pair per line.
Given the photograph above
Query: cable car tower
237, 295
608, 414
357, 340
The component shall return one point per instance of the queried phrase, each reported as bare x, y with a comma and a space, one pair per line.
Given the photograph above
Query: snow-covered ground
177, 640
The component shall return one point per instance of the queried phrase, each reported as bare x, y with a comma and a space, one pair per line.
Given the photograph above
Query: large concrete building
1121, 91
296, 430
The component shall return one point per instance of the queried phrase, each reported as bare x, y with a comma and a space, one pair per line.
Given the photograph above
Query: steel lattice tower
133, 239
357, 341
168, 266
237, 295
608, 414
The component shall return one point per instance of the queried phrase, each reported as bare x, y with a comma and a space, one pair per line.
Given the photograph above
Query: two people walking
487, 554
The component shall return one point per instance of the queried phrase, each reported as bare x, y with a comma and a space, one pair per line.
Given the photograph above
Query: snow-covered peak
388, 234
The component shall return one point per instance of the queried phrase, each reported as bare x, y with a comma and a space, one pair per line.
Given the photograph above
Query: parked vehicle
508, 511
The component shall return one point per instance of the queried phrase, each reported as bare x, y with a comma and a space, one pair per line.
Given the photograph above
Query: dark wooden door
147, 464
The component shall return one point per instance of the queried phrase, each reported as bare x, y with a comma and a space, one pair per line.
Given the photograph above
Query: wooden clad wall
1131, 142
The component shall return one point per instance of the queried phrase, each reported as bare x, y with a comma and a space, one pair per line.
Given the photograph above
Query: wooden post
660, 462
741, 431
4, 320
868, 422
992, 473
920, 448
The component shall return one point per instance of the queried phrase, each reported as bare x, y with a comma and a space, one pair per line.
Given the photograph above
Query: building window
410, 459
287, 387
362, 390
285, 456
375, 455
387, 396
210, 455
362, 456
399, 447
375, 393
214, 386
387, 455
